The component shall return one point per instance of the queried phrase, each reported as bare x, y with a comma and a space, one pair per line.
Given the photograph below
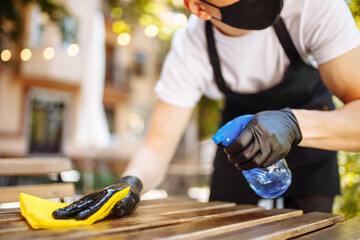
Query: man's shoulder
305, 17
320, 28
192, 29
190, 36
310, 8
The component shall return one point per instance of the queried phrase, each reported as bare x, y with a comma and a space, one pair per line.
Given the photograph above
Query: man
259, 62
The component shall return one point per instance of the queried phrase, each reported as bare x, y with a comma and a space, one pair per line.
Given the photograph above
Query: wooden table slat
164, 201
9, 227
47, 191
138, 223
142, 205
144, 210
349, 230
9, 210
207, 226
33, 166
179, 207
10, 217
14, 214
283, 229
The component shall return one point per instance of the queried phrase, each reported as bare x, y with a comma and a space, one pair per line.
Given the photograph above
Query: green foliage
208, 117
349, 163
11, 15
132, 10
131, 14
349, 168
354, 6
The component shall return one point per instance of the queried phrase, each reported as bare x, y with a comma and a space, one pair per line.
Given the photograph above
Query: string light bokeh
49, 53
158, 19
124, 39
6, 55
25, 54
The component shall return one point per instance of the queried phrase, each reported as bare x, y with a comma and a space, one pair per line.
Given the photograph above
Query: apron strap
285, 40
214, 59
281, 33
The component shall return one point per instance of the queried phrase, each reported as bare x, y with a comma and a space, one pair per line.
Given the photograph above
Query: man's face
243, 14
220, 3
213, 11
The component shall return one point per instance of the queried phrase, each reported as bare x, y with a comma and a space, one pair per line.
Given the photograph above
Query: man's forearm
331, 130
150, 162
148, 167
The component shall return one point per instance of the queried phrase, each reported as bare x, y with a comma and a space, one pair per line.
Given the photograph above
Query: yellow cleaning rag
38, 211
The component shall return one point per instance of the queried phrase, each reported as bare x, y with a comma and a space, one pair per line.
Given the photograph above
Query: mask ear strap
210, 4
213, 6
218, 19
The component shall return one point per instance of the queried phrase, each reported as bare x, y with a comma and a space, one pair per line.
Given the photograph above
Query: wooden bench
35, 167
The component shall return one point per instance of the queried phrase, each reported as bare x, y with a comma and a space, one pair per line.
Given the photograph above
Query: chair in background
35, 167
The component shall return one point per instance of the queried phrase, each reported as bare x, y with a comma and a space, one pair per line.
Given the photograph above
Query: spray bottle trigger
229, 132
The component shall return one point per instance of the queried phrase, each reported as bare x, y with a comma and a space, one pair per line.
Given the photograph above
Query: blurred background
77, 79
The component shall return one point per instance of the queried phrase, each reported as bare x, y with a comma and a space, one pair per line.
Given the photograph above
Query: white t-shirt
255, 61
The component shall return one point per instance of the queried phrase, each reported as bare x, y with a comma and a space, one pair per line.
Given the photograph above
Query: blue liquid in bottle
269, 182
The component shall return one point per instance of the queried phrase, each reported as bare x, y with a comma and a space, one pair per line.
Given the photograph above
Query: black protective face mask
250, 14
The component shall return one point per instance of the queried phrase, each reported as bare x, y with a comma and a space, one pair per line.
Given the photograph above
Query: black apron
314, 171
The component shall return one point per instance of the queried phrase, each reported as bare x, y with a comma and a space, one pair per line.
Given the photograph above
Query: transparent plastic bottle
269, 182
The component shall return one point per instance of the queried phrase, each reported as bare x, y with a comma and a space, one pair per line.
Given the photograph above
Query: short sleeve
329, 30
183, 69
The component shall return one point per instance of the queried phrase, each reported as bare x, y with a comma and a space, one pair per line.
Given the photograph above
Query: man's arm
150, 162
144, 172
338, 129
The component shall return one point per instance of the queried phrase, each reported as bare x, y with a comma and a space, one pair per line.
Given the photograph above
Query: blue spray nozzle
229, 132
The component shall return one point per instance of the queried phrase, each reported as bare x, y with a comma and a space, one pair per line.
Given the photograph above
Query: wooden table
189, 219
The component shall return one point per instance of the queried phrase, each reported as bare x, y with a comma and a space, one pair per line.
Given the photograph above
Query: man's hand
86, 206
267, 138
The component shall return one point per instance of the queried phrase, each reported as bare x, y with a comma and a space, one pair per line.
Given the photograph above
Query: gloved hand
89, 204
267, 138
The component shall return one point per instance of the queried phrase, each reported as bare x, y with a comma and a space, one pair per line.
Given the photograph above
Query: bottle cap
218, 137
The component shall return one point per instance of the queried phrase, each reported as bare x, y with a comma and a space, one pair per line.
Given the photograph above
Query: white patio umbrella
92, 131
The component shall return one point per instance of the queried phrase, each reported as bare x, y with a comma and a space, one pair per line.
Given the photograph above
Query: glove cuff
133, 182
296, 126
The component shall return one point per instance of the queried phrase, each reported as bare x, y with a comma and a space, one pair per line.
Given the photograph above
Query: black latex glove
267, 138
89, 204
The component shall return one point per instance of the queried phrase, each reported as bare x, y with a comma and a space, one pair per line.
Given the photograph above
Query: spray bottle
269, 182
